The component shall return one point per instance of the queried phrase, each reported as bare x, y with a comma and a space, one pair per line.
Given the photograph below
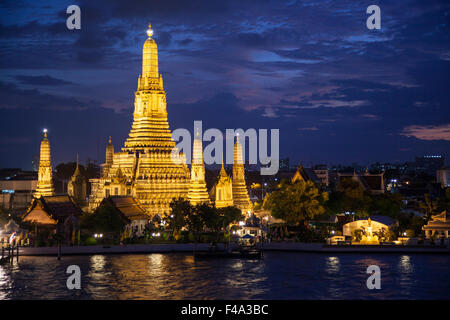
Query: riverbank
189, 247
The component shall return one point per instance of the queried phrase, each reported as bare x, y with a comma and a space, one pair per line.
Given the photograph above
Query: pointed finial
197, 133
237, 136
149, 31
45, 132
109, 141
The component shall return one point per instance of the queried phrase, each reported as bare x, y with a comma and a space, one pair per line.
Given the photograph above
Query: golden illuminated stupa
223, 190
147, 168
233, 191
76, 188
45, 183
241, 199
197, 188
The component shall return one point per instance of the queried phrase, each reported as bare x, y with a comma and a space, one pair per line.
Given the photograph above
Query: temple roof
127, 206
441, 220
51, 210
304, 174
370, 182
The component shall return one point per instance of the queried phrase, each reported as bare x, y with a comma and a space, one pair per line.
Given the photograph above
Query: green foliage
410, 233
230, 215
296, 202
352, 198
181, 209
90, 241
194, 221
104, 219
388, 204
429, 205
196, 218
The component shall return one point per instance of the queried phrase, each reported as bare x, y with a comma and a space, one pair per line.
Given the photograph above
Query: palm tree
429, 206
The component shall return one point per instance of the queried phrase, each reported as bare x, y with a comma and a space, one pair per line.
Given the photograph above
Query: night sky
338, 92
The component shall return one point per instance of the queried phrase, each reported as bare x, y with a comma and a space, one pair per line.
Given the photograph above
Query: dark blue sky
338, 92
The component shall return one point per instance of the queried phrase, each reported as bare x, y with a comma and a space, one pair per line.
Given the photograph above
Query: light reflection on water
279, 275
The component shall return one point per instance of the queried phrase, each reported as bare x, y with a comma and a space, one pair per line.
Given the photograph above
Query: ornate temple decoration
45, 183
197, 188
76, 188
241, 199
223, 190
147, 168
233, 191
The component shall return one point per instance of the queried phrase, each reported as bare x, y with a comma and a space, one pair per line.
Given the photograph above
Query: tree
389, 204
105, 219
296, 202
210, 217
181, 209
195, 222
429, 206
353, 198
230, 215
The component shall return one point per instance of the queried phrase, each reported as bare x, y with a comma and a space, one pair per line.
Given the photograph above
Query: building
241, 199
76, 188
233, 191
45, 174
147, 167
305, 174
198, 192
55, 214
443, 177
321, 172
131, 212
371, 227
372, 183
222, 192
16, 192
438, 226
430, 163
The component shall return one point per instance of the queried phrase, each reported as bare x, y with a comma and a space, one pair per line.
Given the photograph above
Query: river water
280, 275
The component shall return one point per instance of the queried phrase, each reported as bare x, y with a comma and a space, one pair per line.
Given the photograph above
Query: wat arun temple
149, 168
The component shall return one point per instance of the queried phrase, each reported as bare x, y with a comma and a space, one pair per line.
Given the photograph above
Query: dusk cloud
264, 64
441, 132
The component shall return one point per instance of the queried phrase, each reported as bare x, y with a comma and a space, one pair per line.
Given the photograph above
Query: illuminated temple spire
77, 187
150, 128
148, 167
150, 56
223, 190
45, 183
240, 192
197, 188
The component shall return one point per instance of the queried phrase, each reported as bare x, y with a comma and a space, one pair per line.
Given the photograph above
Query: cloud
13, 97
441, 132
41, 80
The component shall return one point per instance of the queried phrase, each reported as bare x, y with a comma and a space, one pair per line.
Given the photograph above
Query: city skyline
338, 92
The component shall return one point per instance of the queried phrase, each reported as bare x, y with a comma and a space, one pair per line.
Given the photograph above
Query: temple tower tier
198, 192
45, 174
241, 199
148, 167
